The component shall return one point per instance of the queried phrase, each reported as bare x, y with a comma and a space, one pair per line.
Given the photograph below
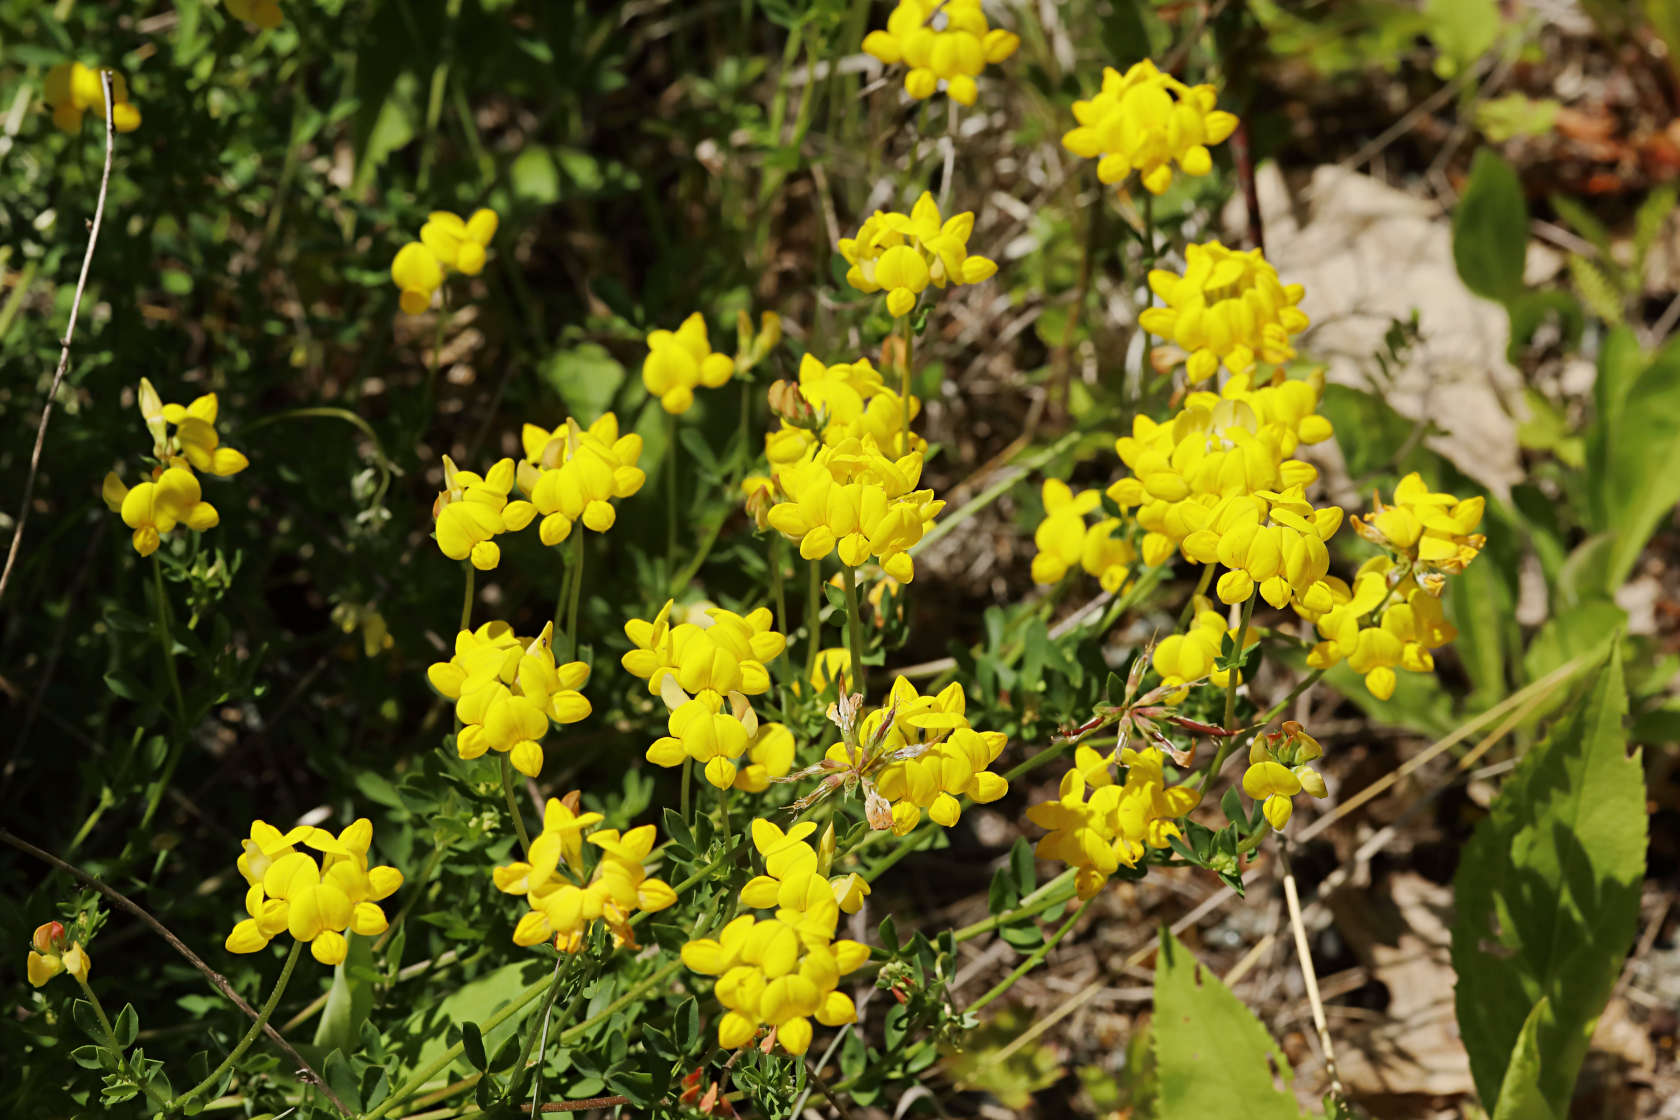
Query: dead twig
69, 333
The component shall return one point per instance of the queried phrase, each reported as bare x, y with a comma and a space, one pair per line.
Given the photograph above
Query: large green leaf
1620, 362
1212, 1056
1639, 484
1547, 894
1490, 230
1520, 1097
349, 1000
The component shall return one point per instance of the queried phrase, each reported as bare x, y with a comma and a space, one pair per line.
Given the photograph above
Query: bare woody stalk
305, 1070
64, 346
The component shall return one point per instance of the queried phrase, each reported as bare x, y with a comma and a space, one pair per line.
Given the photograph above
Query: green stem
244, 1044
777, 591
687, 778
434, 98
1046, 897
166, 639
575, 595
854, 629
513, 804
1032, 961
381, 461
1201, 589
1229, 742
442, 1061
537, 1025
467, 596
573, 1033
813, 619
1277, 709
1009, 477
670, 492
116, 1047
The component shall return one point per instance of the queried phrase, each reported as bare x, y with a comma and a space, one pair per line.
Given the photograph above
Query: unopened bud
787, 402
825, 850
761, 496
48, 937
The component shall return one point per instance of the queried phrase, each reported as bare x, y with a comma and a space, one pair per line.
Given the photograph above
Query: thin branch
69, 333
217, 979
1310, 974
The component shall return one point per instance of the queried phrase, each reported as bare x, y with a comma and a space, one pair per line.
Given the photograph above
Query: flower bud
788, 403
48, 937
77, 963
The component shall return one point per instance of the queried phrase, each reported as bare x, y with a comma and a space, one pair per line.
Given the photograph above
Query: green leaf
127, 1026
587, 378
1596, 289
1547, 894
341, 1078
1520, 1097
1463, 30
1212, 1056
1490, 229
1638, 484
1582, 629
349, 1000
472, 1045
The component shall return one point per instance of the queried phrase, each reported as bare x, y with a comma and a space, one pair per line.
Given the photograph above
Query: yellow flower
779, 972
769, 755
73, 89
1108, 558
946, 44
49, 955
1409, 623
315, 902
679, 360
153, 509
1060, 537
418, 274
507, 691
194, 441
901, 254
701, 729
1228, 308
795, 874
1117, 824
726, 654
928, 757
472, 509
446, 242
1278, 770
459, 244
1184, 658
264, 13
844, 402
1272, 541
1434, 531
574, 474
1146, 121
853, 500
562, 904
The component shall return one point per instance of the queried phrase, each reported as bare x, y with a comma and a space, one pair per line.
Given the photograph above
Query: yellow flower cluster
1183, 658
447, 243
1222, 467
1433, 532
507, 691
705, 674
1065, 542
680, 360
51, 952
73, 90
796, 874
1145, 121
833, 404
563, 905
1117, 822
925, 758
289, 892
1229, 308
852, 499
574, 474
901, 254
184, 442
1391, 616
1278, 770
946, 44
783, 971
472, 509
